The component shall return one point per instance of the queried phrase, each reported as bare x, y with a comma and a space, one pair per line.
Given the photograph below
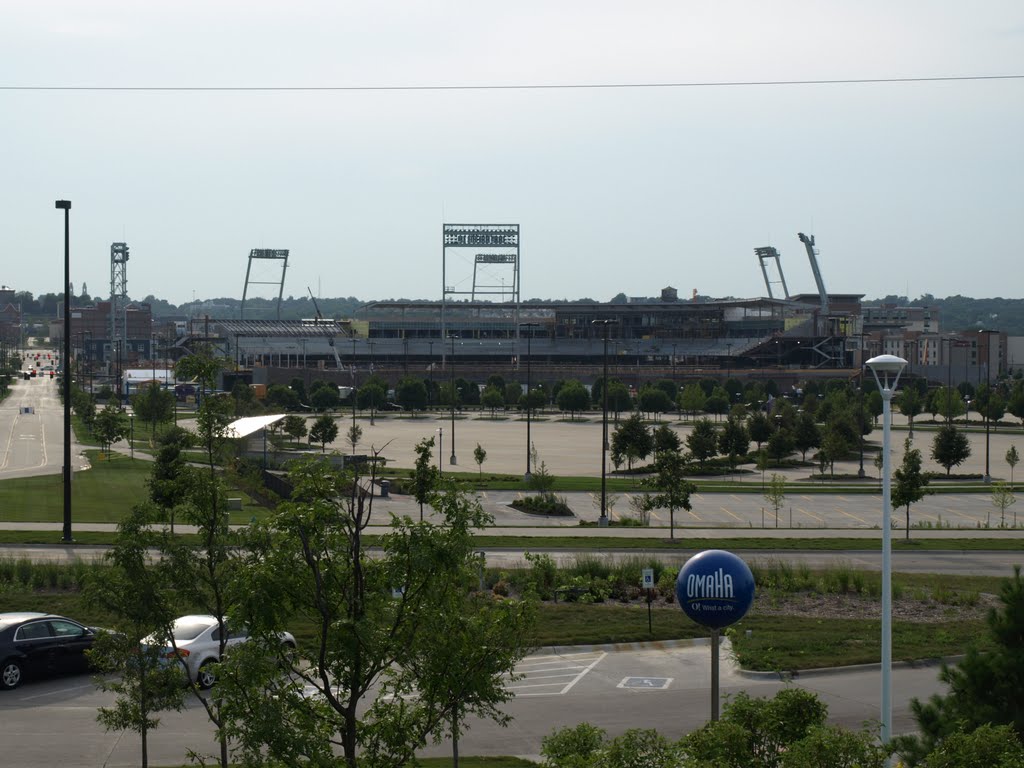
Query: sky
910, 188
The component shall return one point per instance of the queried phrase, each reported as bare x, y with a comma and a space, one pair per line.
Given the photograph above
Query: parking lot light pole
451, 370
603, 520
887, 369
526, 400
65, 205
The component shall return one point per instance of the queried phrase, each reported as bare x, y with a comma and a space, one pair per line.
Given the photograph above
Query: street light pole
860, 421
451, 370
526, 400
603, 520
887, 369
65, 205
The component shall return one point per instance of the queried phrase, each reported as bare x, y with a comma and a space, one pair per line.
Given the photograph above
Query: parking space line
803, 511
576, 666
731, 514
851, 515
54, 693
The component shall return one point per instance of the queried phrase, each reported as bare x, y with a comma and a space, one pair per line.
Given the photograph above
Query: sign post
647, 582
715, 588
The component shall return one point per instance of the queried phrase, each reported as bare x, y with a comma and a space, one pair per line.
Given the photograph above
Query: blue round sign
715, 588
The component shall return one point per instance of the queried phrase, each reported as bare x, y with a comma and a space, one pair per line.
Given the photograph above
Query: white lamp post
887, 370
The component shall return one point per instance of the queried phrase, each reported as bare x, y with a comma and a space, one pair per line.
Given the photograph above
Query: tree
984, 687
806, 434
1002, 498
283, 398
324, 398
154, 405
718, 402
371, 395
573, 397
760, 427
633, 440
949, 402
492, 398
411, 394
295, 426
202, 367
479, 456
950, 447
377, 624
692, 399
703, 441
1012, 457
425, 476
670, 486
618, 398
666, 439
354, 435
910, 484
734, 440
323, 431
170, 478
653, 400
513, 393
775, 494
988, 746
137, 596
110, 425
834, 447
202, 573
780, 444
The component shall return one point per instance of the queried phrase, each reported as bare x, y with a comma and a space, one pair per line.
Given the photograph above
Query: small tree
950, 447
109, 426
1002, 498
492, 398
760, 427
155, 405
425, 475
295, 426
692, 399
911, 485
780, 445
633, 440
573, 397
354, 435
775, 494
671, 487
910, 404
806, 435
733, 441
479, 456
137, 595
666, 439
323, 431
1012, 457
371, 395
703, 441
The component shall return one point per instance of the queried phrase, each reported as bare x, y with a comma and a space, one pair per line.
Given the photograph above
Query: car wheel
10, 674
205, 678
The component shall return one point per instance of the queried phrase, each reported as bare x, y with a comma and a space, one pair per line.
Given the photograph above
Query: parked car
390, 407
37, 644
197, 639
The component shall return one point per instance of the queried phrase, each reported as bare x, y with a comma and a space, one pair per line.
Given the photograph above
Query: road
32, 431
665, 686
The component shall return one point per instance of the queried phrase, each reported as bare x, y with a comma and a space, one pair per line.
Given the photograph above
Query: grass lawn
775, 642
102, 494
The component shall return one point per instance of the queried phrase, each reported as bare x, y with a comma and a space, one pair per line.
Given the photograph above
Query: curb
797, 674
643, 645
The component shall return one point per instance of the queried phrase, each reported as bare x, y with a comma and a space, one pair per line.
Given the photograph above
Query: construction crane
329, 333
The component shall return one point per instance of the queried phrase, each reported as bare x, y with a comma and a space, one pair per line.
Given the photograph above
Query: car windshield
189, 630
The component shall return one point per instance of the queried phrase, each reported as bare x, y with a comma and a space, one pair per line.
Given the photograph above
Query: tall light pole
603, 520
451, 371
887, 369
526, 401
988, 396
65, 205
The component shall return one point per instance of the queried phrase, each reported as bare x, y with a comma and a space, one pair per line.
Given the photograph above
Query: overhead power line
510, 87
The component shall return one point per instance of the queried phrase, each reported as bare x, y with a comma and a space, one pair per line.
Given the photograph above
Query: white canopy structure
250, 424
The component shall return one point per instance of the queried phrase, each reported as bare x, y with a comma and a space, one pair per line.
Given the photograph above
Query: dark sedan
37, 644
